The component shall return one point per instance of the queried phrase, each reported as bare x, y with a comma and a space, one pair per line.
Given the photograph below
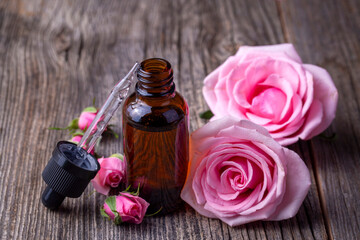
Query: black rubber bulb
67, 173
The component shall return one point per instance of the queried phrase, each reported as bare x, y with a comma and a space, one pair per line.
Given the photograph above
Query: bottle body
156, 141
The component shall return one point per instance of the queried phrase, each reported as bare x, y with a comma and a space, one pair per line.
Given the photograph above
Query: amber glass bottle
156, 137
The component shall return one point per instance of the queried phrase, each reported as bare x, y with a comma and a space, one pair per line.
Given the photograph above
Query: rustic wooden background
55, 56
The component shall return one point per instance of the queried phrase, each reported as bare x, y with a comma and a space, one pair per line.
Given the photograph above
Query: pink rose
125, 208
76, 139
270, 86
239, 174
112, 172
86, 117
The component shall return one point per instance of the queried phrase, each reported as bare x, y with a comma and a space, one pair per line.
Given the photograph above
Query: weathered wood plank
55, 56
222, 29
329, 35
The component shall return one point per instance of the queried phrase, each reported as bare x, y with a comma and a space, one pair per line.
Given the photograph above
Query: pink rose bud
272, 87
76, 139
239, 174
86, 117
125, 208
111, 174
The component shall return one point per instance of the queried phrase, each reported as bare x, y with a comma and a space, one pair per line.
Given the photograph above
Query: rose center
243, 174
113, 179
269, 103
238, 181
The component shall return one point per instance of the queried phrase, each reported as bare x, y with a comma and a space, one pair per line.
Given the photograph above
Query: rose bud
111, 174
125, 208
86, 117
272, 87
239, 174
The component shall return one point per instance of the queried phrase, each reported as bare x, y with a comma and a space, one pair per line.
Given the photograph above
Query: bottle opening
155, 66
155, 78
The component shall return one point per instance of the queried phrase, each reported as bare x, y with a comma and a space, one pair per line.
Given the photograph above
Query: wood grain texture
331, 39
55, 56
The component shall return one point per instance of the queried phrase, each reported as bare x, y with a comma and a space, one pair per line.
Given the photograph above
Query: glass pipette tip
102, 118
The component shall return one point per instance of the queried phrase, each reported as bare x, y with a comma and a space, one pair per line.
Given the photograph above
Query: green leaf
206, 115
112, 132
118, 220
328, 138
78, 133
91, 109
91, 193
93, 102
116, 135
111, 202
71, 131
118, 155
127, 189
103, 213
137, 191
74, 124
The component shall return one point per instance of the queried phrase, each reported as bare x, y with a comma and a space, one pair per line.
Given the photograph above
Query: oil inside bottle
156, 138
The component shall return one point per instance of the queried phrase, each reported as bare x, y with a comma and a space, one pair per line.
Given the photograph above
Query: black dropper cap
67, 174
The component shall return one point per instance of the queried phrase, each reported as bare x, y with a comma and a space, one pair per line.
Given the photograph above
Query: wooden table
56, 56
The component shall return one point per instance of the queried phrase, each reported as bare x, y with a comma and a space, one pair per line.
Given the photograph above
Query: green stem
152, 214
57, 128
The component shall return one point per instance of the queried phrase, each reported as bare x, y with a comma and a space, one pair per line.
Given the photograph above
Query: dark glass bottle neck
155, 78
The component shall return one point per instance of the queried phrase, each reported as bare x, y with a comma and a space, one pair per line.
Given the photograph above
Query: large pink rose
239, 174
270, 86
112, 172
125, 208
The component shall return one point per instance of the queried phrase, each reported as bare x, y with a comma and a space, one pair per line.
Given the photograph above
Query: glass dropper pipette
71, 167
102, 118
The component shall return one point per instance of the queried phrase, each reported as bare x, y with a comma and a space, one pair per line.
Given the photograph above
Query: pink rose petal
111, 173
239, 174
270, 86
286, 48
326, 93
297, 186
